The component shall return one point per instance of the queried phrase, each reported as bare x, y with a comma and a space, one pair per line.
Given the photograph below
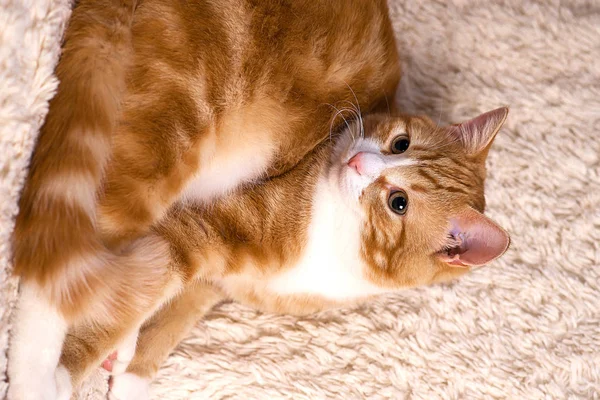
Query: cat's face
418, 190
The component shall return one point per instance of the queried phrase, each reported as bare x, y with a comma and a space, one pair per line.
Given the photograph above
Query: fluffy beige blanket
526, 327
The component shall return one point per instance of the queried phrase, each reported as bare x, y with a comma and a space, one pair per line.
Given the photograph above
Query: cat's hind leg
145, 283
86, 344
159, 336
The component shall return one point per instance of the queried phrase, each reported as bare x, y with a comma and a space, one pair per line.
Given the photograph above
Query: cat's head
418, 190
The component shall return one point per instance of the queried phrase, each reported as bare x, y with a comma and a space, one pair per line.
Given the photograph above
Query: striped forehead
400, 128
387, 131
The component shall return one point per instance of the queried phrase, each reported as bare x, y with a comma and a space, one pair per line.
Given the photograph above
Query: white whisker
387, 104
340, 112
362, 127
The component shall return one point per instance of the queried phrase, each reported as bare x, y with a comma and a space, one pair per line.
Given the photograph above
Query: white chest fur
330, 265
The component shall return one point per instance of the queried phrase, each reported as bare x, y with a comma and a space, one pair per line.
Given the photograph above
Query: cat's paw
55, 386
44, 388
129, 386
64, 387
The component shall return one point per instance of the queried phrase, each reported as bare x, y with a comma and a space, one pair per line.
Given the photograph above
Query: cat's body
133, 215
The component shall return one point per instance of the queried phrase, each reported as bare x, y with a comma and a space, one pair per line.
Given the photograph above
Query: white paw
125, 353
43, 388
64, 388
50, 387
129, 386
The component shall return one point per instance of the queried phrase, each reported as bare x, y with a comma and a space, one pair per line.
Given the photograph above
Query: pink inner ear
478, 240
478, 133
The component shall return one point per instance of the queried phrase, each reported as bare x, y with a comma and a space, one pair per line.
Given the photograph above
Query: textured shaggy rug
526, 327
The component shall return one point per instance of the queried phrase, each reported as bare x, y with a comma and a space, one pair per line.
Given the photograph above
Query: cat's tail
55, 244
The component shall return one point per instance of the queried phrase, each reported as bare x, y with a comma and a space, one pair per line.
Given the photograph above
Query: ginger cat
164, 110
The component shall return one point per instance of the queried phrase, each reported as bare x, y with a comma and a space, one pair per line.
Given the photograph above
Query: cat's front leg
158, 337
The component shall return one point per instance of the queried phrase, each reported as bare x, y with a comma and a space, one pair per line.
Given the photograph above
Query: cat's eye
400, 144
398, 202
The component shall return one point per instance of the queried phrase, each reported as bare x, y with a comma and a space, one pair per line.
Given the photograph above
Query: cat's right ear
475, 240
477, 134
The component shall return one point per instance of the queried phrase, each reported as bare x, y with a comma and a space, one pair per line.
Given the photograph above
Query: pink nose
357, 162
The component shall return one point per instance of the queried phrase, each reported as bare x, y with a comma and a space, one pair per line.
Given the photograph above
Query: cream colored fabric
526, 327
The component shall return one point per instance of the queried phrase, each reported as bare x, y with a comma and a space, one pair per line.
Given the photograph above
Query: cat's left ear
475, 240
477, 134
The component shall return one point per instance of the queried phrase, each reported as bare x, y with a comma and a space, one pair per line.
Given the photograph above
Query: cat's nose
357, 162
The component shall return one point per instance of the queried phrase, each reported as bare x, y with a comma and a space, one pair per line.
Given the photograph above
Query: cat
394, 202
163, 111
162, 102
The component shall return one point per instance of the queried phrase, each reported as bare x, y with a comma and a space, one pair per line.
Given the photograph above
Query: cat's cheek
354, 184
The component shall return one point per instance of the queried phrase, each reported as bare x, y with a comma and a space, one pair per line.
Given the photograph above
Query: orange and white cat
134, 215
